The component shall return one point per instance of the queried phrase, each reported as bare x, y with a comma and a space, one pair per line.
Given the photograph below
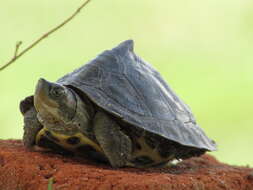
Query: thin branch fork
44, 36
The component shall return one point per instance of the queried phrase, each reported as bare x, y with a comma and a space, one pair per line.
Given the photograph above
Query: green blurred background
202, 48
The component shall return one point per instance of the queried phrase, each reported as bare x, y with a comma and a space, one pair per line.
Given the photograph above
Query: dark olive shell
124, 85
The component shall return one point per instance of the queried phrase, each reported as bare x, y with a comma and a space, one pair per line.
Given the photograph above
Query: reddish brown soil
24, 170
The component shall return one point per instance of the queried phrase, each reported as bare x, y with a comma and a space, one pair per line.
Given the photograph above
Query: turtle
115, 109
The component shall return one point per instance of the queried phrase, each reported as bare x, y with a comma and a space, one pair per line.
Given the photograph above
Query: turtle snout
41, 96
42, 84
43, 87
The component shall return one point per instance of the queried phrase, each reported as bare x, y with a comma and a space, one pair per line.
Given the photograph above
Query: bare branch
18, 44
44, 36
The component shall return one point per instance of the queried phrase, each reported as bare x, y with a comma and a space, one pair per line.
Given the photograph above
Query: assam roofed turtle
116, 106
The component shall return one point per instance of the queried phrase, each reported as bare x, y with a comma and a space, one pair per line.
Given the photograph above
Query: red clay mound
24, 170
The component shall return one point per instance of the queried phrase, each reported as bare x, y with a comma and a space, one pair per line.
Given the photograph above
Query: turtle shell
124, 85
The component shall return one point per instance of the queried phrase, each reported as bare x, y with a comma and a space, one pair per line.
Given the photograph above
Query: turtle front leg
31, 124
116, 145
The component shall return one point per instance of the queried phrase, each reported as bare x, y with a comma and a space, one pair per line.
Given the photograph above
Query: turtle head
63, 115
55, 103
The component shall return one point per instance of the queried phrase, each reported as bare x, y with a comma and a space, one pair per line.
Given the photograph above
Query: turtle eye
57, 91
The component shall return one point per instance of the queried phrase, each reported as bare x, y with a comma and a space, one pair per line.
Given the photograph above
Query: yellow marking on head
39, 135
63, 140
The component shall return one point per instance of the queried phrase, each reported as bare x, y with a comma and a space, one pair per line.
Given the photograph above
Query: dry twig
18, 55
